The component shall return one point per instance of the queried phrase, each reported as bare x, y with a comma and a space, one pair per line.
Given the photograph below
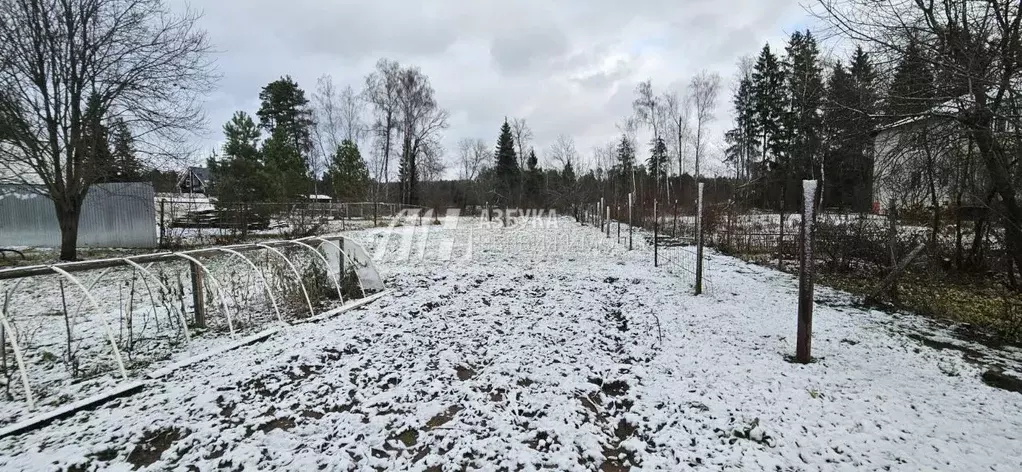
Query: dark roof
201, 173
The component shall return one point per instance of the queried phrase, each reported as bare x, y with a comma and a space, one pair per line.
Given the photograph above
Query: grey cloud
566, 66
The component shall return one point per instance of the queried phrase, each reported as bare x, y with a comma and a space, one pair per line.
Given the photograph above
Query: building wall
113, 215
901, 170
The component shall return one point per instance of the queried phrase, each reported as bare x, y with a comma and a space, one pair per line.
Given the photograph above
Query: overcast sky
566, 66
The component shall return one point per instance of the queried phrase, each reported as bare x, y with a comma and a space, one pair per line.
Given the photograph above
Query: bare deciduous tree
381, 91
704, 87
523, 136
678, 111
328, 122
421, 122
68, 63
353, 115
472, 156
563, 152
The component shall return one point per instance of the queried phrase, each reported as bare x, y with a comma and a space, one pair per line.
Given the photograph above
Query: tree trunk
67, 218
1000, 178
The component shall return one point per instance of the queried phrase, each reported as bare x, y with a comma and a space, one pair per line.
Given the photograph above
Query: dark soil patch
968, 353
615, 388
541, 441
998, 379
624, 430
612, 461
285, 424
408, 437
443, 418
465, 373
153, 445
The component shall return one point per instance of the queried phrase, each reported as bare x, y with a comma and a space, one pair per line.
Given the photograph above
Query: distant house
194, 180
911, 152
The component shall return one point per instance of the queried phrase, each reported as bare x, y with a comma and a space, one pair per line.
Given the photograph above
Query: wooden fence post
608, 221
198, 295
699, 241
803, 347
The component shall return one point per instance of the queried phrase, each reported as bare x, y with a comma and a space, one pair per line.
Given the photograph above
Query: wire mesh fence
190, 221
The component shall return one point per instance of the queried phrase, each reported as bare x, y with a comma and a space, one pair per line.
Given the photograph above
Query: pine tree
291, 178
506, 169
284, 112
625, 163
240, 175
347, 173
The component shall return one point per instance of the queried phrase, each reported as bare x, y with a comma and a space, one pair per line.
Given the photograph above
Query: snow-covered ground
551, 346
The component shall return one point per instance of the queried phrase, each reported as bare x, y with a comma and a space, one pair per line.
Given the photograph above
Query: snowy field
550, 346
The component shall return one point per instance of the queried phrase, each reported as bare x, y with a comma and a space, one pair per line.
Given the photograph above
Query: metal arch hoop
345, 256
17, 357
326, 264
216, 284
180, 314
298, 275
95, 306
262, 278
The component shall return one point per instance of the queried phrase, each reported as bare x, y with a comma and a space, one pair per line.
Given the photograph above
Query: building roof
200, 173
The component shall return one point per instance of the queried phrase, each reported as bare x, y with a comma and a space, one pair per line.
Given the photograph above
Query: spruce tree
657, 161
805, 91
506, 170
743, 139
839, 123
533, 179
128, 167
347, 173
95, 142
864, 83
625, 163
912, 89
769, 98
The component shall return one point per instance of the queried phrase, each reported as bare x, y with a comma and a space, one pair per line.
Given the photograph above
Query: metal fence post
699, 241
163, 224
803, 347
608, 221
674, 227
656, 242
198, 295
617, 212
629, 221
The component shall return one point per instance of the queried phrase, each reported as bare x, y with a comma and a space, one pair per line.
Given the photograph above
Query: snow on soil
555, 348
